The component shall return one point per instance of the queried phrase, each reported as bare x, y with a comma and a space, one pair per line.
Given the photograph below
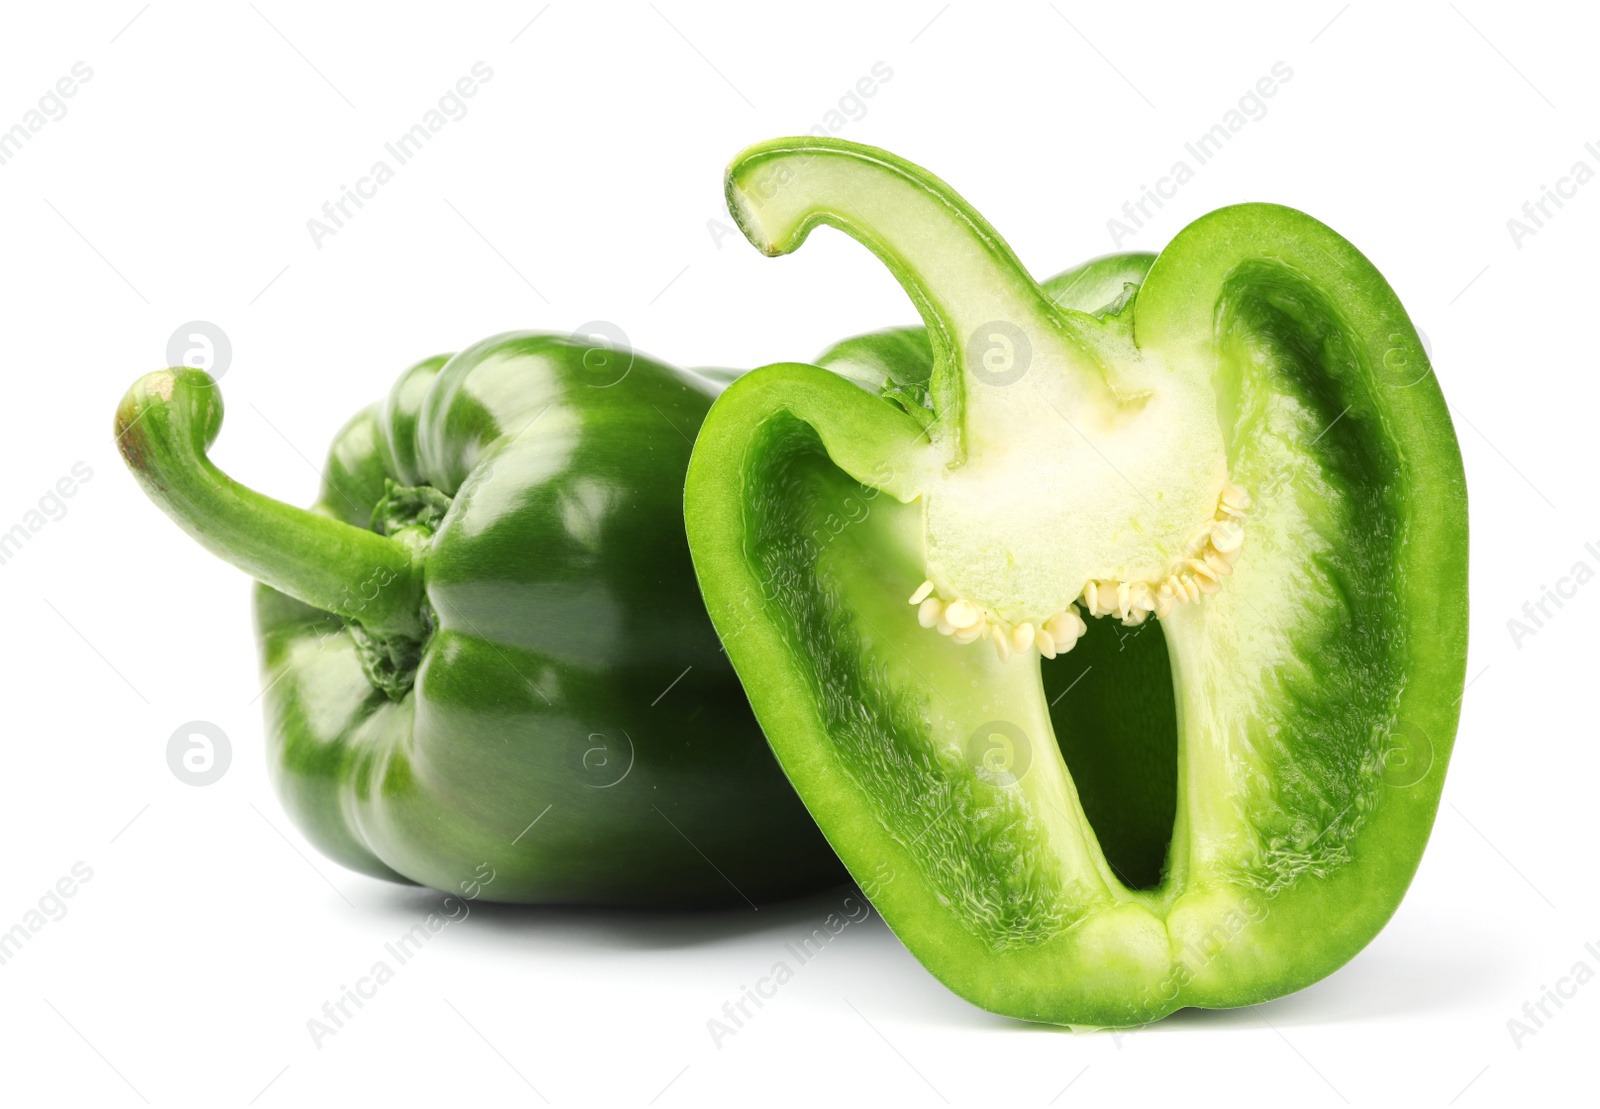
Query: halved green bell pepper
487, 665
1166, 719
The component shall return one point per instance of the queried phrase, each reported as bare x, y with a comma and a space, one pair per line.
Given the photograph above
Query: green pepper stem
167, 422
986, 317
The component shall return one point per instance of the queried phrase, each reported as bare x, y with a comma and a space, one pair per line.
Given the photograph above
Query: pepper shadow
614, 928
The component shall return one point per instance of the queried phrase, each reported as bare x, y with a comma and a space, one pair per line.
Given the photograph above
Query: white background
579, 186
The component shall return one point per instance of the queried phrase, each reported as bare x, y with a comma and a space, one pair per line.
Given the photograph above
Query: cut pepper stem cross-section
1115, 503
1224, 479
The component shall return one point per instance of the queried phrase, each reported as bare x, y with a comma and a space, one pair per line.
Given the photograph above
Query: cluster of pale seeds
1209, 558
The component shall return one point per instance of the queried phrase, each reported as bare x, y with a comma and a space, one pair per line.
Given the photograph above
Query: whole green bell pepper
1167, 717
484, 652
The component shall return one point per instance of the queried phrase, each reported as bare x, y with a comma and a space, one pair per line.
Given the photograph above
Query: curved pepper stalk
165, 425
1165, 720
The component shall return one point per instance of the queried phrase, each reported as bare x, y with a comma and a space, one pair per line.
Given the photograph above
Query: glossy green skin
541, 743
806, 560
